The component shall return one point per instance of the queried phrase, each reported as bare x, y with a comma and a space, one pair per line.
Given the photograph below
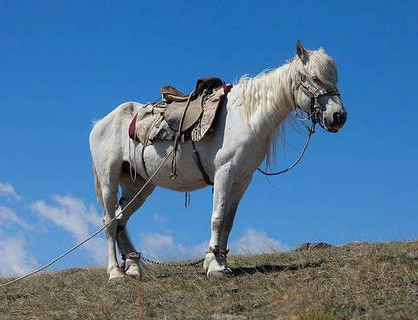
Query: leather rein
312, 89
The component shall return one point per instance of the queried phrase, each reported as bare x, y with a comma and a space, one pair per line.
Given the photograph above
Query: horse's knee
110, 227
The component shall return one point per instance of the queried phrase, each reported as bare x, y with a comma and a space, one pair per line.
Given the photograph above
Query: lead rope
311, 131
93, 234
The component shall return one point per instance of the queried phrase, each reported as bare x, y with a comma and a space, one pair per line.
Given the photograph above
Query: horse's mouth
328, 127
331, 130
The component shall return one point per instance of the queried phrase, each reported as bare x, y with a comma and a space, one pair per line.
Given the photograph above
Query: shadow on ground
267, 268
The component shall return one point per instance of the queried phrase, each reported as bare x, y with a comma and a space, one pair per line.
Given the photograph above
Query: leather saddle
183, 111
171, 94
181, 117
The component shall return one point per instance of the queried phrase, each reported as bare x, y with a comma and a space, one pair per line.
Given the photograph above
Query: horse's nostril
339, 118
336, 117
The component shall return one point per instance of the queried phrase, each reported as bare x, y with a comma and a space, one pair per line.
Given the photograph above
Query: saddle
192, 116
180, 117
183, 111
170, 94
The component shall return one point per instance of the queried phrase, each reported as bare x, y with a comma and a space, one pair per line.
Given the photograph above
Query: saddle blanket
160, 121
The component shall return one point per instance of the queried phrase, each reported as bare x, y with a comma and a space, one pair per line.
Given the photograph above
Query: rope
92, 235
311, 131
172, 264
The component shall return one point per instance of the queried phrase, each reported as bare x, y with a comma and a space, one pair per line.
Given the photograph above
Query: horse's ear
301, 51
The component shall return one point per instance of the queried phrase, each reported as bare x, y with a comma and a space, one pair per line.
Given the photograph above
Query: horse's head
316, 88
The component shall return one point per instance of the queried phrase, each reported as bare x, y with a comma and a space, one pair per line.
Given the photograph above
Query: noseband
314, 91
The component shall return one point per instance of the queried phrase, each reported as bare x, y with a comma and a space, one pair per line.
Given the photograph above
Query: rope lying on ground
93, 234
173, 264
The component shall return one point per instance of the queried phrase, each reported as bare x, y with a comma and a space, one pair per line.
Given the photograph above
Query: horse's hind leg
109, 179
126, 248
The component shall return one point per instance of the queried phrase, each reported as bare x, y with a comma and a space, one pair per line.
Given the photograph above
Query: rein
311, 131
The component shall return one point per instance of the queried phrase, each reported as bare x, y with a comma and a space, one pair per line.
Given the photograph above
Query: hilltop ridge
356, 281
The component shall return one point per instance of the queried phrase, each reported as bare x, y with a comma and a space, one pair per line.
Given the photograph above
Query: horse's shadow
268, 268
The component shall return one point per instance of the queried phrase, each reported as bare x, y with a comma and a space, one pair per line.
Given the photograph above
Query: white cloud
15, 260
157, 242
253, 241
72, 215
159, 218
7, 215
162, 246
7, 191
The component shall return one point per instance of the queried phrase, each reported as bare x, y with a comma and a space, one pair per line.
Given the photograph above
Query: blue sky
64, 64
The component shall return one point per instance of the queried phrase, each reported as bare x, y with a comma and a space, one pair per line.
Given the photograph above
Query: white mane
269, 97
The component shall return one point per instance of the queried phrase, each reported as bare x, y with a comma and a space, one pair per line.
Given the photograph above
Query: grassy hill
357, 281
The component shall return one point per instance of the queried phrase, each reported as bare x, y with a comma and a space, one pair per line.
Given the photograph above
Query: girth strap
198, 161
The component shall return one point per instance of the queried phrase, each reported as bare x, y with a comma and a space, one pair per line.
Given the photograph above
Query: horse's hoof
132, 269
116, 276
134, 272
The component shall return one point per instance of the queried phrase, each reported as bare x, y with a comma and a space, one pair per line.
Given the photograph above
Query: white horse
247, 124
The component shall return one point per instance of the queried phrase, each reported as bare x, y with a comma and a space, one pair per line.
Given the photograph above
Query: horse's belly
188, 177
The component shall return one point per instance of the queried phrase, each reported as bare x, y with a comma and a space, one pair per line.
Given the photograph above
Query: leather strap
131, 255
196, 158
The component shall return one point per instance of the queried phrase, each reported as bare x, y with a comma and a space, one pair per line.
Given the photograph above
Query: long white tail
97, 186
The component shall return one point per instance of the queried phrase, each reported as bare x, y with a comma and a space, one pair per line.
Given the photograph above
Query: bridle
314, 91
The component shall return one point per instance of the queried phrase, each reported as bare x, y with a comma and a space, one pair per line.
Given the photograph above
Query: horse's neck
268, 99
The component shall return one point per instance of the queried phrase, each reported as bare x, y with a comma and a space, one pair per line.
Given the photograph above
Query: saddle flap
175, 111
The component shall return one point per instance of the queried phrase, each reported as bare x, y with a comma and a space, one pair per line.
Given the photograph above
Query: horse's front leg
226, 197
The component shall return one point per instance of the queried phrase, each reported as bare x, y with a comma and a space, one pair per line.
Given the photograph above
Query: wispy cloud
72, 215
163, 246
7, 191
254, 241
9, 216
15, 260
159, 218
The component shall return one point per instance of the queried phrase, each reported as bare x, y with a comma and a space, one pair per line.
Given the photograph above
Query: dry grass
361, 281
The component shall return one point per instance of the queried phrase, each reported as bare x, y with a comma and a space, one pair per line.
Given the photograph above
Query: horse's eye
314, 77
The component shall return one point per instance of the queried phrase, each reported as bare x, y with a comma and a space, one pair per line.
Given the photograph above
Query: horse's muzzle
337, 121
